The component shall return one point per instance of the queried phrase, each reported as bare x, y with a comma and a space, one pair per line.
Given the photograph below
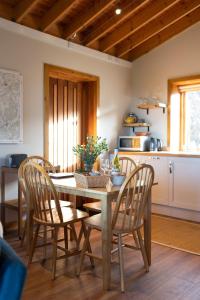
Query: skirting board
175, 212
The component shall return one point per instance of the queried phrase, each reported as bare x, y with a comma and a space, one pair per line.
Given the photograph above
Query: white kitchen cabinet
137, 158
160, 192
185, 183
178, 180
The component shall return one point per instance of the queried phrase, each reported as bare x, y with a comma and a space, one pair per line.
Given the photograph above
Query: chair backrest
41, 191
127, 164
43, 162
132, 198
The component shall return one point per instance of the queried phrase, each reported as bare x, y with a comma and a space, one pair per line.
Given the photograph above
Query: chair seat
63, 203
96, 206
95, 222
70, 215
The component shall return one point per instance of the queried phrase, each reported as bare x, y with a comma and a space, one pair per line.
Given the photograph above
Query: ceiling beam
167, 33
170, 16
151, 11
79, 22
6, 11
55, 13
23, 8
113, 22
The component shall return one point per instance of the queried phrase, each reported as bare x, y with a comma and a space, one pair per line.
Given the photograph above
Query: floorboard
173, 275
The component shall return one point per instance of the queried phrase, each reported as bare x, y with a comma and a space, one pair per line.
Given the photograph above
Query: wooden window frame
177, 85
51, 71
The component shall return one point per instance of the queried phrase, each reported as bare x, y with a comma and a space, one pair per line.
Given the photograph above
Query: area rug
175, 233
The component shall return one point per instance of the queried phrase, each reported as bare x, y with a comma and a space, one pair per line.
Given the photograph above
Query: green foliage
94, 147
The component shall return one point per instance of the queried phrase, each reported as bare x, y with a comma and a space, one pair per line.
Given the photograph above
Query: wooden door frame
51, 71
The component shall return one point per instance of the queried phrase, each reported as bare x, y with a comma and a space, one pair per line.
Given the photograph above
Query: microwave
133, 143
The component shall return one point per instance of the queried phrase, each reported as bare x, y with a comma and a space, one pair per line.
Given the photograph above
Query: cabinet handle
170, 168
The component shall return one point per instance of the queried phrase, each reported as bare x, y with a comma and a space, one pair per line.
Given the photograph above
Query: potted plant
89, 152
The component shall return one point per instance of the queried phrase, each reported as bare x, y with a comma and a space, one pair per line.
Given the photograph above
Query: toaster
14, 160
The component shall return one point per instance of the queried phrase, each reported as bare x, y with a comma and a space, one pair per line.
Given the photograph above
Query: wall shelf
133, 125
148, 106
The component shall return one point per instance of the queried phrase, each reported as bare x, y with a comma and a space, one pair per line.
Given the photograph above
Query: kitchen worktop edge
162, 153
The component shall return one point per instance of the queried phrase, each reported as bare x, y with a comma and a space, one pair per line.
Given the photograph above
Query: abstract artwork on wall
11, 114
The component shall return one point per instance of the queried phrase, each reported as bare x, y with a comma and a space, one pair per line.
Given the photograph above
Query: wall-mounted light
74, 35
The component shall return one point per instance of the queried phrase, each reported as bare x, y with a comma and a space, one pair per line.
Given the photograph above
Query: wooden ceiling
141, 26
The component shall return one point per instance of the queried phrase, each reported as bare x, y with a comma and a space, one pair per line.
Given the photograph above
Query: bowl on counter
141, 133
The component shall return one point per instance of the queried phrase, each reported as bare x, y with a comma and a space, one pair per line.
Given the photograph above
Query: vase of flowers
89, 152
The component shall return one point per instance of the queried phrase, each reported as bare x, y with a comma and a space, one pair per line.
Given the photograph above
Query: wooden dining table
68, 186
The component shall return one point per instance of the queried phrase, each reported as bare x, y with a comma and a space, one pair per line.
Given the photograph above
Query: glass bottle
116, 163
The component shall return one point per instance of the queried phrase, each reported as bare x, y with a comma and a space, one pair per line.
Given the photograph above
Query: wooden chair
41, 191
127, 166
127, 217
28, 226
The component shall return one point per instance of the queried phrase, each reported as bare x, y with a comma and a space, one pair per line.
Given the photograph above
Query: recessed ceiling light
118, 11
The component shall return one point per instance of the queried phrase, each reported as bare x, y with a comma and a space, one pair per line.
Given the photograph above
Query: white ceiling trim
58, 42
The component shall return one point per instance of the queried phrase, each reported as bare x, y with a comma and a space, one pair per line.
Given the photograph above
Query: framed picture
11, 109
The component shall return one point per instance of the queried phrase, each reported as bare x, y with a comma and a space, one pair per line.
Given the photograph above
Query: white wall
28, 55
175, 58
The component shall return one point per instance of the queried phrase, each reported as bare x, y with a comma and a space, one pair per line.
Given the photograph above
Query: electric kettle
153, 145
159, 145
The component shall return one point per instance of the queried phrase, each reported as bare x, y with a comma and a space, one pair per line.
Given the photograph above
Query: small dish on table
117, 178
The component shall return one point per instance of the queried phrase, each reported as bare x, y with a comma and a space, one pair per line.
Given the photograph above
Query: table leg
106, 241
72, 199
147, 229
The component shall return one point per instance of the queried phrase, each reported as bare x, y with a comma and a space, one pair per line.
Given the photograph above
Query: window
184, 114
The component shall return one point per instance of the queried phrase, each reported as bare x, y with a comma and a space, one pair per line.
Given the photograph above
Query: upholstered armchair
12, 273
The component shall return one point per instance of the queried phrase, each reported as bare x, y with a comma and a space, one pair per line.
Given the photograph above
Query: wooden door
65, 90
65, 122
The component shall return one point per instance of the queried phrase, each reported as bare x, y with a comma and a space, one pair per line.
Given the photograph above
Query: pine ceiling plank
170, 16
167, 33
151, 11
6, 11
113, 22
23, 8
87, 17
31, 21
56, 12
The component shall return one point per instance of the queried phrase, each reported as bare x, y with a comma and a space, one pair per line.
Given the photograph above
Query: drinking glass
105, 165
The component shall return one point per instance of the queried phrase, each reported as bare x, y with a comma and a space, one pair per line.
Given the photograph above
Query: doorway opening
70, 105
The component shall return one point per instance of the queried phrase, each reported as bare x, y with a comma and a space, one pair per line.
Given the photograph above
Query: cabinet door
186, 183
160, 192
138, 159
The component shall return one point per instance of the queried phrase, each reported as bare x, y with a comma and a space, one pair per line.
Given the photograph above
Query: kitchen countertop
162, 153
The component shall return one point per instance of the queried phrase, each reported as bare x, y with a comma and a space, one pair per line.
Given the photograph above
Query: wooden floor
173, 275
